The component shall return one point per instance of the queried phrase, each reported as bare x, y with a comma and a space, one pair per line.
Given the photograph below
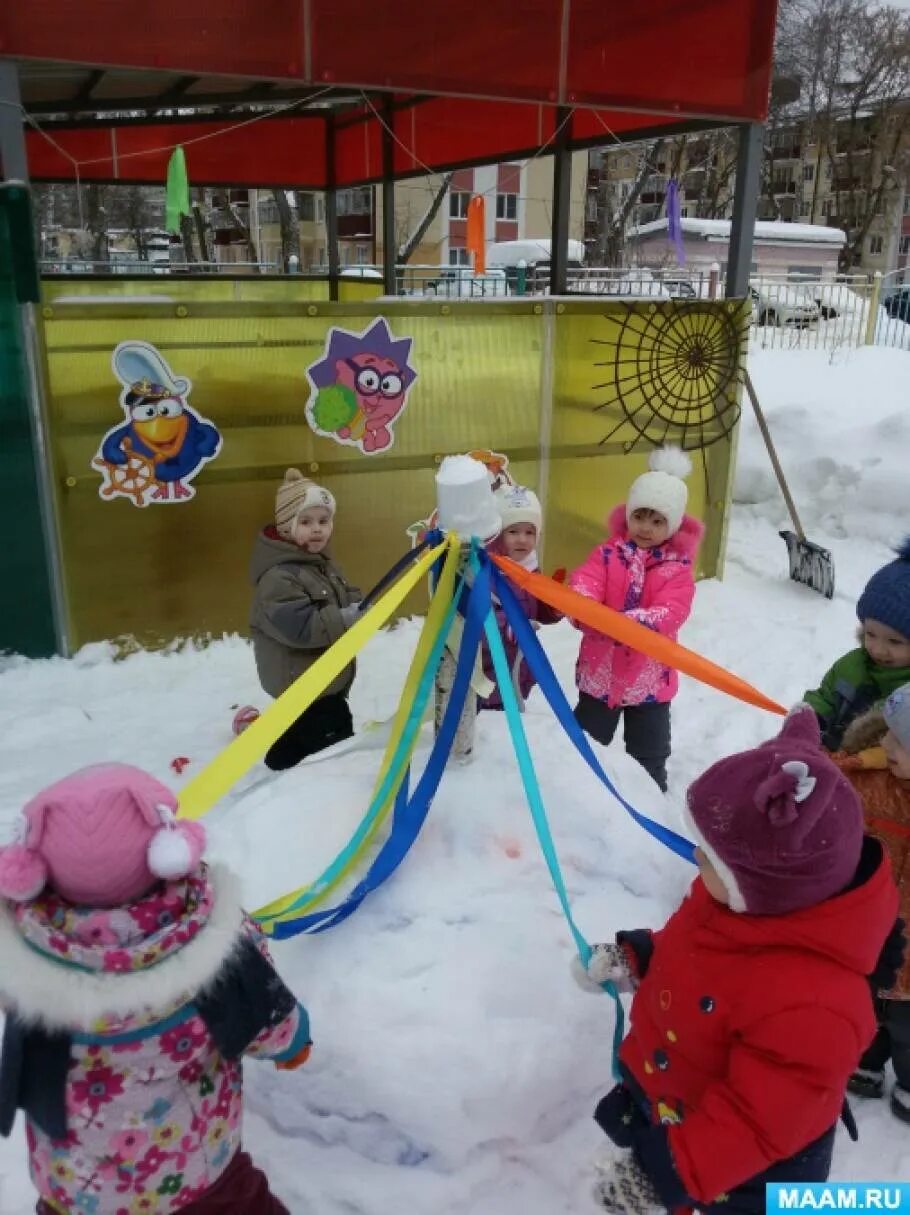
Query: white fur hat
663, 489
517, 504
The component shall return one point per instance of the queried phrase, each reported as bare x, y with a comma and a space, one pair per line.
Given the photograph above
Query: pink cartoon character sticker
360, 387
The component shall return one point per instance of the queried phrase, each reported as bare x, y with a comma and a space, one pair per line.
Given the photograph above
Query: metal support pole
562, 199
389, 244
13, 160
331, 209
745, 208
14, 167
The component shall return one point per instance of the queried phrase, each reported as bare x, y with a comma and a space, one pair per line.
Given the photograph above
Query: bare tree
95, 201
136, 218
409, 240
613, 218
186, 237
289, 224
853, 61
205, 252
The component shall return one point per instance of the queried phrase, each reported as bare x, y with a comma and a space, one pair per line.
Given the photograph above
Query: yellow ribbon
216, 778
276, 910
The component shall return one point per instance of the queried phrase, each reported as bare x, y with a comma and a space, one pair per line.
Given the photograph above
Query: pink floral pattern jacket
153, 1109
653, 586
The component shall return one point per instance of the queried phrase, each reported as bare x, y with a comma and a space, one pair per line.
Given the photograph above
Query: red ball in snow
244, 717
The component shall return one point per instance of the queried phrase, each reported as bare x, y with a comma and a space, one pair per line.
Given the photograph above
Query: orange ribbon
636, 636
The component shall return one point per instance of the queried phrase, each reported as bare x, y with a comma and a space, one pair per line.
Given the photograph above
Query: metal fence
788, 311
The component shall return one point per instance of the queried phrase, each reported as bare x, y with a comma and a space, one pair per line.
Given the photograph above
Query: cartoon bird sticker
360, 387
163, 444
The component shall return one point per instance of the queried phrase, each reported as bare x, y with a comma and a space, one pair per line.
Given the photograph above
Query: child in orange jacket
876, 759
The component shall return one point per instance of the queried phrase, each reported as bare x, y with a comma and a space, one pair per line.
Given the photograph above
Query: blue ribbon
539, 665
403, 563
410, 812
535, 802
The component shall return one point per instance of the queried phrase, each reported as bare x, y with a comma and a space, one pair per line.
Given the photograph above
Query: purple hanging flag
674, 221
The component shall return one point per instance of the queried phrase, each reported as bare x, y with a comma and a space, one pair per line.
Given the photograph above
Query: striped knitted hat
296, 494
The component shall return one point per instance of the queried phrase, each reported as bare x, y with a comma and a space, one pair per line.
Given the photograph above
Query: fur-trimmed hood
43, 989
865, 732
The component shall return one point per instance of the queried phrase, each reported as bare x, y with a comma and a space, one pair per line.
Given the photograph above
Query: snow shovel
810, 564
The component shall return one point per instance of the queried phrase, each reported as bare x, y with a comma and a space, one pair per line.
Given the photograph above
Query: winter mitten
607, 963
625, 1188
298, 1060
350, 614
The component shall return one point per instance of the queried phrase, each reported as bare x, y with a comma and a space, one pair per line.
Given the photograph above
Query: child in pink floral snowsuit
644, 569
133, 984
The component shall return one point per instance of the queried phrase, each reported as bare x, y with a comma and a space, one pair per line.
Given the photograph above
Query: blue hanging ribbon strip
410, 812
403, 563
535, 801
540, 668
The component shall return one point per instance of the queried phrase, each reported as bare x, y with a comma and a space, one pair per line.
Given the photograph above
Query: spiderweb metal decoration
673, 372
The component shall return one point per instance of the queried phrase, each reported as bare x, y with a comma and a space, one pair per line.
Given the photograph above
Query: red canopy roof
475, 81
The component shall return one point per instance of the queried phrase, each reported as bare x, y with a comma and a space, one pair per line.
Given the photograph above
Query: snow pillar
465, 506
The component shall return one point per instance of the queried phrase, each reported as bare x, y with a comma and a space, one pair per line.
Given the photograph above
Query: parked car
897, 304
679, 289
780, 304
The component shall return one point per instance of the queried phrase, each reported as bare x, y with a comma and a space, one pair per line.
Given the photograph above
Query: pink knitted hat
100, 838
781, 824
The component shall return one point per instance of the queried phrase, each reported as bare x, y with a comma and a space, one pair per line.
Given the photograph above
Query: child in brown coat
876, 758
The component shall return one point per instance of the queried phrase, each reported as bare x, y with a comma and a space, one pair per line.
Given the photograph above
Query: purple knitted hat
781, 825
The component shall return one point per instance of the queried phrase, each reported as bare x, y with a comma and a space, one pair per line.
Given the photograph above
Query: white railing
787, 311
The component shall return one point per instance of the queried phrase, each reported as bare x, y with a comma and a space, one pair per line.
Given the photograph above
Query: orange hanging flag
636, 636
476, 240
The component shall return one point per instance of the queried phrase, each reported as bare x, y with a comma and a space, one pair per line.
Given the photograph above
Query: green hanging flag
178, 191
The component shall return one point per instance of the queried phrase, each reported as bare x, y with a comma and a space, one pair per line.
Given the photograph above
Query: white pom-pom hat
101, 837
663, 489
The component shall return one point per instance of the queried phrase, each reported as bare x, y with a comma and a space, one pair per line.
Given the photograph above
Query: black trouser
892, 1041
327, 721
646, 729
623, 1119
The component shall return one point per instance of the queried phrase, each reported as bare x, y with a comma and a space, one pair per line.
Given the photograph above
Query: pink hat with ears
101, 837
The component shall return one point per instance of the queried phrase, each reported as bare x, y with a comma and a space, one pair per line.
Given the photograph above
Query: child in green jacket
866, 677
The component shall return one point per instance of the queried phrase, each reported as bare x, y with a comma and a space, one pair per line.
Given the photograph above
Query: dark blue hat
887, 594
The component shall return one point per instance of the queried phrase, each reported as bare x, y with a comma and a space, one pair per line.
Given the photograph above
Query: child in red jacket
752, 1004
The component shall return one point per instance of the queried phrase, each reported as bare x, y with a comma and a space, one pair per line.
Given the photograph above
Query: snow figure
497, 466
164, 443
360, 386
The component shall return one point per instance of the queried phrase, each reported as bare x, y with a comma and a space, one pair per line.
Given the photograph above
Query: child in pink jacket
133, 985
644, 569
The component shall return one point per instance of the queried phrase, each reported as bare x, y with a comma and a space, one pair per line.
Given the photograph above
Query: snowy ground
456, 1064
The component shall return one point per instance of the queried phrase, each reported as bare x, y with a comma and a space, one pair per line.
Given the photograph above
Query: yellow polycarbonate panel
518, 376
202, 289
629, 376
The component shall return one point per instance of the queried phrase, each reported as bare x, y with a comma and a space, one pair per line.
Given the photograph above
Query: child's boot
900, 1103
868, 1082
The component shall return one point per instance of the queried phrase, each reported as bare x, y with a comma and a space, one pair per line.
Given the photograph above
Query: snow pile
765, 231
842, 428
456, 1064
